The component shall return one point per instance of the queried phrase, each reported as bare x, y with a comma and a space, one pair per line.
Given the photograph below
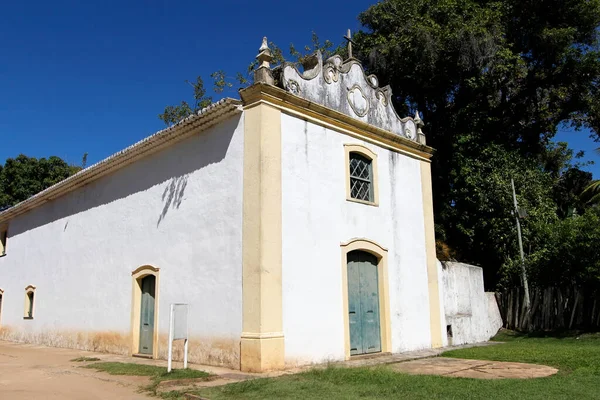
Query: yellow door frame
385, 327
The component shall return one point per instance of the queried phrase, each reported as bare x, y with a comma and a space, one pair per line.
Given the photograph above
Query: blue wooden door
147, 315
363, 303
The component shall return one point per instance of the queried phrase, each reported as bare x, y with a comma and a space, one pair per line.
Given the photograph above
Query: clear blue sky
91, 76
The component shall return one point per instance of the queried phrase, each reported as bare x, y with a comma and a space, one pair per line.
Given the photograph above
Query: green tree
494, 80
568, 192
592, 191
480, 217
173, 114
565, 251
569, 180
22, 177
222, 82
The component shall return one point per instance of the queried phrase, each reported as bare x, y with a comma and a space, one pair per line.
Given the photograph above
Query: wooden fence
552, 308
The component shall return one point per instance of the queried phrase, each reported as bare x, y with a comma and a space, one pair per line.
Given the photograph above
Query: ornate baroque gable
343, 86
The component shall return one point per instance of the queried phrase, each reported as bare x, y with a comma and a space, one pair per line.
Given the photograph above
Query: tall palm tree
593, 189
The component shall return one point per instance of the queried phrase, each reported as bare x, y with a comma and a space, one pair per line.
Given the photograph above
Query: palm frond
593, 192
595, 199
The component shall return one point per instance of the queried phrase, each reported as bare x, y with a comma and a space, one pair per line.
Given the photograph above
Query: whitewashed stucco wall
472, 313
317, 218
179, 210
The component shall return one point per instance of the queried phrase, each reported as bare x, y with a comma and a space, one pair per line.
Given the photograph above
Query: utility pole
523, 270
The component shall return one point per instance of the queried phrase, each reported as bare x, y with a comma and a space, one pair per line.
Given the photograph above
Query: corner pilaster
432, 271
262, 342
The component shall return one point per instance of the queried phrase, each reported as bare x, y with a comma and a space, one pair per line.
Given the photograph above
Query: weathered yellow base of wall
101, 342
260, 355
291, 363
207, 351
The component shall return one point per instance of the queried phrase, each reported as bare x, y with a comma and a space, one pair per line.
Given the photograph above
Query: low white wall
471, 313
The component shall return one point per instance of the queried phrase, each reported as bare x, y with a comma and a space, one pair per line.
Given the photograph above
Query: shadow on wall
172, 165
173, 195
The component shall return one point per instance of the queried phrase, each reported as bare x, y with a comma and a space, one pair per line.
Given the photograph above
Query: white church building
296, 222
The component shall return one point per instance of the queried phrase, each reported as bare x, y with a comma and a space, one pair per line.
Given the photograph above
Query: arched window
361, 179
29, 302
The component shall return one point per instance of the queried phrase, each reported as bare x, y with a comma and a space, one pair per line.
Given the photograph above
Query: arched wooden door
148, 285
363, 303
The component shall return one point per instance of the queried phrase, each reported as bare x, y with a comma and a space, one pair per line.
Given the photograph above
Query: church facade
296, 222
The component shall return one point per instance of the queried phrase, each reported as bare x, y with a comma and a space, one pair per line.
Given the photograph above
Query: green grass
82, 359
156, 374
117, 368
568, 353
577, 358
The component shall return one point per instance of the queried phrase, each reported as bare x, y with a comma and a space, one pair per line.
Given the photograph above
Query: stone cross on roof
350, 43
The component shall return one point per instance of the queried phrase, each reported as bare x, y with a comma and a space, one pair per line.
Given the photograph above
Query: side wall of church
179, 210
317, 219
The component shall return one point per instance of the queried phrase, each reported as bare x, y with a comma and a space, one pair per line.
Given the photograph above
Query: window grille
361, 177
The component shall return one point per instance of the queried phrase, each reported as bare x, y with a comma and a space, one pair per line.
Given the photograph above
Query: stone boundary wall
470, 315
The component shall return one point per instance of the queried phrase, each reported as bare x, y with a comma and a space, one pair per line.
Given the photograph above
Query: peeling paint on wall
203, 350
293, 362
101, 342
207, 351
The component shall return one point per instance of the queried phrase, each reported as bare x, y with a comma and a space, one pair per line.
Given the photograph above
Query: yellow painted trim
145, 268
262, 342
136, 306
29, 289
384, 296
368, 153
323, 116
432, 270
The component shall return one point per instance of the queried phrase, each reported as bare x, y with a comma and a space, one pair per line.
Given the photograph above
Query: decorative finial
420, 124
265, 44
265, 56
350, 43
263, 72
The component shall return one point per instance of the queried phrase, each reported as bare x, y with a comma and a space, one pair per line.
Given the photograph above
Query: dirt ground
37, 372
462, 368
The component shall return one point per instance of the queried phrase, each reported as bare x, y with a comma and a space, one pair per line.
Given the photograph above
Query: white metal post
187, 334
170, 357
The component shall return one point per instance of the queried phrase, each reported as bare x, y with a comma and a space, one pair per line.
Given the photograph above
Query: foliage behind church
495, 81
22, 177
